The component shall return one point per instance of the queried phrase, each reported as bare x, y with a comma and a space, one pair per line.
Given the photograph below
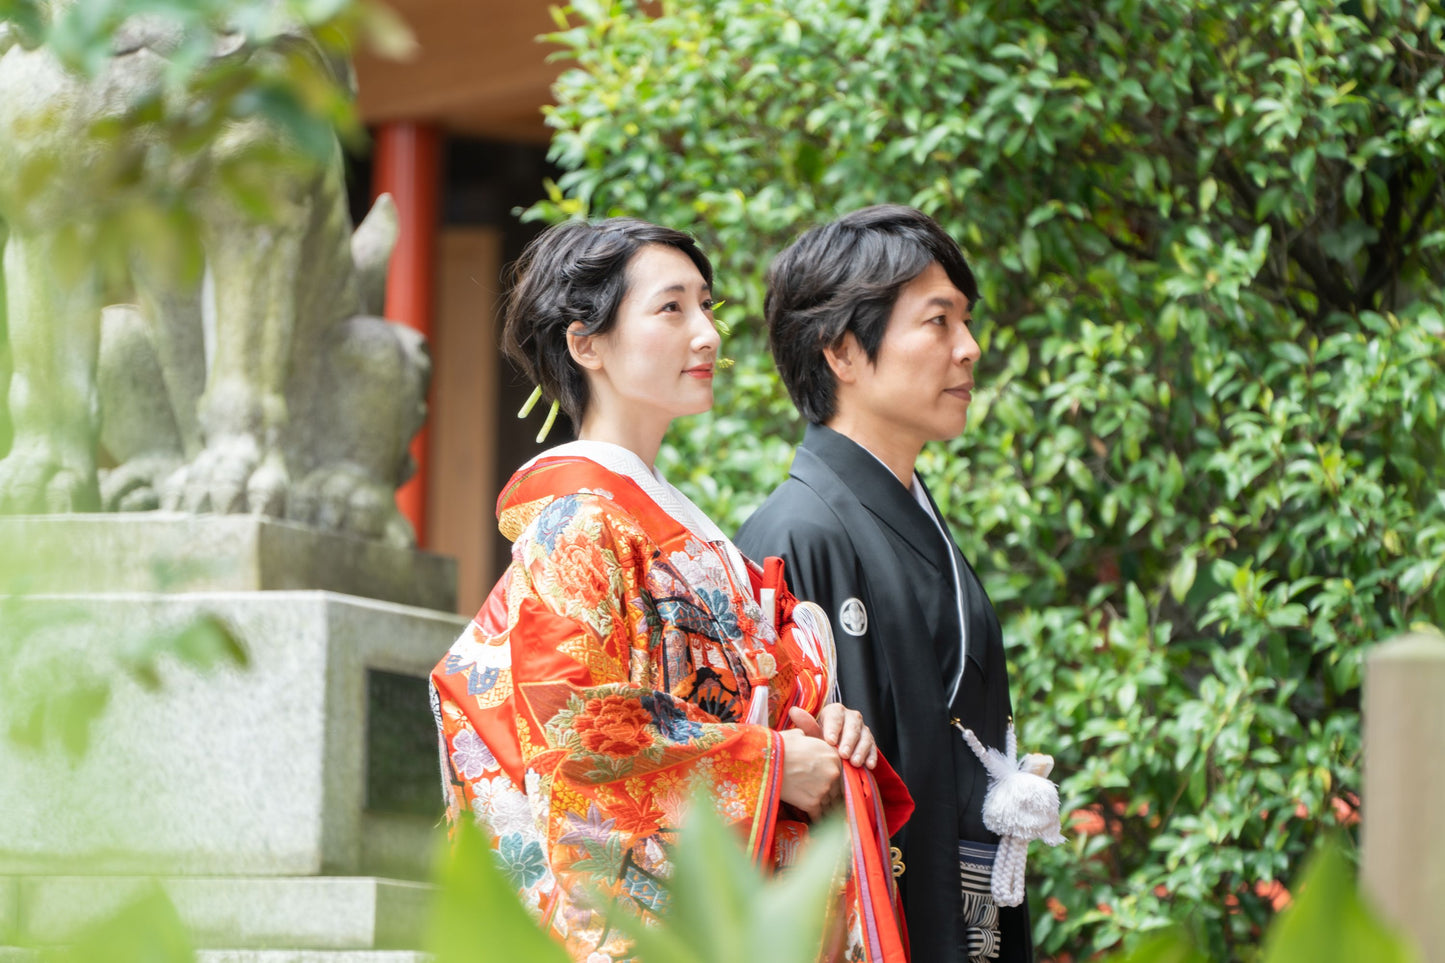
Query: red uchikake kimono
609, 674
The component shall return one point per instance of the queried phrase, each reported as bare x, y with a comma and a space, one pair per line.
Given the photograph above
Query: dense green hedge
1203, 474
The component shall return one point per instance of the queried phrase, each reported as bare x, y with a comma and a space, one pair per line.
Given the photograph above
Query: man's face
919, 386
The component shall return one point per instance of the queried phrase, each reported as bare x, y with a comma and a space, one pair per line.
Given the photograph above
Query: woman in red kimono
630, 656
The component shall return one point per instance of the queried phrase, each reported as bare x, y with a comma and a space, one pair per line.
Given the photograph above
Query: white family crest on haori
853, 617
1021, 804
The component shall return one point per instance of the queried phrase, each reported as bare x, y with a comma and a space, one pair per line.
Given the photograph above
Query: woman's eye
708, 304
670, 307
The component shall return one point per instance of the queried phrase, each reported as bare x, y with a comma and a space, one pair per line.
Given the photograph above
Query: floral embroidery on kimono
607, 679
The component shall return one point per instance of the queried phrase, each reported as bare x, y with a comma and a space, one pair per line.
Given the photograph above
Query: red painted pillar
408, 167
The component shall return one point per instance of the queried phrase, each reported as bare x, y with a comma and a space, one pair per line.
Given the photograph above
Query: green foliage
477, 906
721, 907
1330, 922
723, 910
1201, 473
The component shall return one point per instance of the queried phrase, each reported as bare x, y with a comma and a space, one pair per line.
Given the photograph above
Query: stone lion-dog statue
270, 386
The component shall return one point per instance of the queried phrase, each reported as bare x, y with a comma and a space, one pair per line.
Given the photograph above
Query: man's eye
940, 320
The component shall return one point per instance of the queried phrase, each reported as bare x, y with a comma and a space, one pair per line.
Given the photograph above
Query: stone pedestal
270, 800
255, 771
1402, 865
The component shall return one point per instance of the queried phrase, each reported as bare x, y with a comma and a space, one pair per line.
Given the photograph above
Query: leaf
204, 644
1182, 578
387, 34
1029, 250
475, 901
26, 19
145, 930
1208, 191
722, 908
1329, 921
1354, 187
1172, 946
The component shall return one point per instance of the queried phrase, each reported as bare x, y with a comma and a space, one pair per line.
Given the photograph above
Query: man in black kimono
868, 320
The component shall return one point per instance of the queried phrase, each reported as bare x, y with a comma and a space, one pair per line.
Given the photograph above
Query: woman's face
656, 362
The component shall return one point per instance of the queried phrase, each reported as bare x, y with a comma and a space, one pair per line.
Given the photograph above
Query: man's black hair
845, 277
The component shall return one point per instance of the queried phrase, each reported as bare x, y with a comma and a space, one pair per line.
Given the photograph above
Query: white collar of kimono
625, 462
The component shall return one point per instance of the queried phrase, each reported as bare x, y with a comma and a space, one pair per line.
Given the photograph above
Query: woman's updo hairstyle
575, 271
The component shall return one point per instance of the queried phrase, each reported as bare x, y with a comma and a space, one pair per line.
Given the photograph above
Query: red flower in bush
613, 725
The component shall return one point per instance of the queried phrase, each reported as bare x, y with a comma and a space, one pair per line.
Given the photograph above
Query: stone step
232, 914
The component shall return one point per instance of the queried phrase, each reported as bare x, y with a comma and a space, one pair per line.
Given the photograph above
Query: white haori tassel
1021, 804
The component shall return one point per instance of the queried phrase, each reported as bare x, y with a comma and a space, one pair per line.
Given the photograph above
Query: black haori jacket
855, 541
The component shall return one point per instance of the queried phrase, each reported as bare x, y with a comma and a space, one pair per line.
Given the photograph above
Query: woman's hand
844, 728
812, 771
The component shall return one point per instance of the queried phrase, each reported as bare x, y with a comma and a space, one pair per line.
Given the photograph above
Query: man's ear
582, 347
845, 358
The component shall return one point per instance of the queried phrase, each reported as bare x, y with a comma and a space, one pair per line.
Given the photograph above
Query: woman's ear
582, 347
844, 357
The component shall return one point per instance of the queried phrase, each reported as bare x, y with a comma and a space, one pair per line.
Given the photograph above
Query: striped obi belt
980, 912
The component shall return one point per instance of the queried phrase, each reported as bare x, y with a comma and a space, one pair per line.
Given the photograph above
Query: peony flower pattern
613, 725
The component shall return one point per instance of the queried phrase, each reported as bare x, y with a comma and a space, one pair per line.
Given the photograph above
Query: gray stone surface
319, 913
252, 772
175, 552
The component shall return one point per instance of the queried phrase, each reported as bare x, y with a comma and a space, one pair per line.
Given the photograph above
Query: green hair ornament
531, 403
724, 329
